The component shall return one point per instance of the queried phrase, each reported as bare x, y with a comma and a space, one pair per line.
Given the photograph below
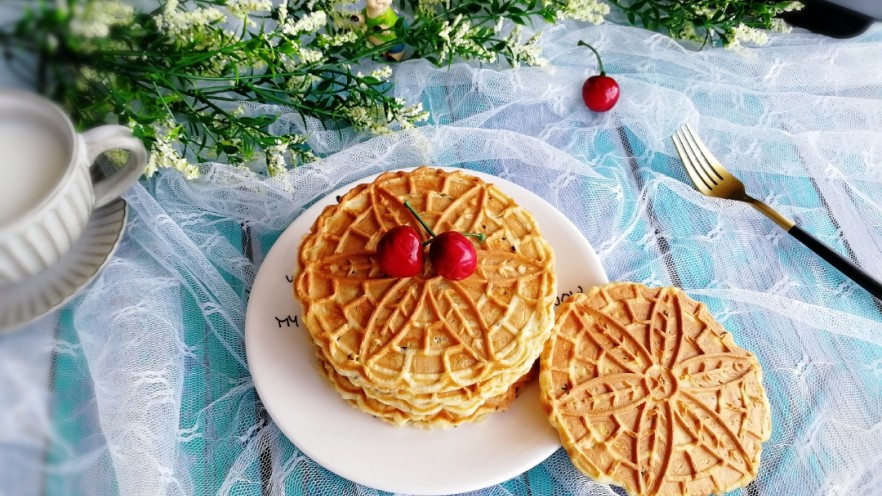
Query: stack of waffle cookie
425, 350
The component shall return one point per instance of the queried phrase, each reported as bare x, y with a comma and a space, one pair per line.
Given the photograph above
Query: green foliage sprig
187, 74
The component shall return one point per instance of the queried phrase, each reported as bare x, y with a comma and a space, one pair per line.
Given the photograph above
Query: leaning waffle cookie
443, 418
426, 334
649, 392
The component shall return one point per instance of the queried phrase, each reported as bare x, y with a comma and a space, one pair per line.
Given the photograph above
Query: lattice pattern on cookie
649, 392
426, 334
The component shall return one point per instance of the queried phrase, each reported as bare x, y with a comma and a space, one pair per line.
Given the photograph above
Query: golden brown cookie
649, 392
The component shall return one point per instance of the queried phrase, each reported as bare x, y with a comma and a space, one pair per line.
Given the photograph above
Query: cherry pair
452, 255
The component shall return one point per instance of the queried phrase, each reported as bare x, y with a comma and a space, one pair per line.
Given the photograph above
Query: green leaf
259, 121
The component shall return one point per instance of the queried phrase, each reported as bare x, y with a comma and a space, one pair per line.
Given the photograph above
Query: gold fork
712, 179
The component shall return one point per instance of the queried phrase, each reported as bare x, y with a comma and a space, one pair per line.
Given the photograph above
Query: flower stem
420, 220
599, 62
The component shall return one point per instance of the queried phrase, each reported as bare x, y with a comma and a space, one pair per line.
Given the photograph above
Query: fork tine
698, 181
698, 160
710, 161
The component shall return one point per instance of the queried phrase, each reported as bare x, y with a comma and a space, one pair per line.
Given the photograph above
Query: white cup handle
114, 137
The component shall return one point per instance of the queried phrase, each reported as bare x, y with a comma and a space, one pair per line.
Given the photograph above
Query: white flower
780, 26
458, 37
86, 75
339, 39
275, 159
189, 24
794, 6
283, 10
687, 32
310, 23
407, 116
383, 73
298, 83
431, 6
94, 19
499, 24
584, 10
242, 8
530, 53
745, 34
163, 155
704, 11
309, 56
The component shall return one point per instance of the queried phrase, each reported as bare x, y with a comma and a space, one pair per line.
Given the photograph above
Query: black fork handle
866, 281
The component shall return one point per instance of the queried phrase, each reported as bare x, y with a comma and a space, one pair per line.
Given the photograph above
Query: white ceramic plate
363, 449
25, 301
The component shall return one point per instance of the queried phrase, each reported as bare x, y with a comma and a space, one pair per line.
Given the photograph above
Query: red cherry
600, 93
400, 252
453, 255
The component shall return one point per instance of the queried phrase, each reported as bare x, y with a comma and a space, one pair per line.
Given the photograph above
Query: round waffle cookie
410, 338
443, 417
649, 392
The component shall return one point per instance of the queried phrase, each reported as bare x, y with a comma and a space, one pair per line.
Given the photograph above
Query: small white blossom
780, 26
704, 11
745, 34
163, 155
52, 42
794, 6
188, 25
242, 8
432, 6
85, 77
499, 24
309, 23
275, 159
339, 39
283, 10
383, 73
530, 53
686, 32
584, 10
94, 19
458, 37
407, 116
298, 83
309, 56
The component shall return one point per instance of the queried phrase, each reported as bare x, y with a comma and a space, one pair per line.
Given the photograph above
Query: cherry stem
479, 236
599, 62
420, 220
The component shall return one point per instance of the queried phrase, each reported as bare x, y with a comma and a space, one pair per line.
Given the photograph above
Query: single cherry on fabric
600, 92
400, 252
453, 256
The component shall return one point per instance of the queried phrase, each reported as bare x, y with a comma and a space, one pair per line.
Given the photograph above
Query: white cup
46, 188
